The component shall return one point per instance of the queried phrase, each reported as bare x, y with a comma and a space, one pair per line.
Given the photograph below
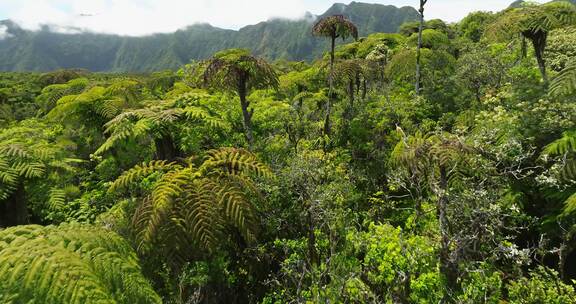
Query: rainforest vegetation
432, 165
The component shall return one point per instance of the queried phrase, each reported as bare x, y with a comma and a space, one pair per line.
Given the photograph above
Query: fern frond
137, 173
57, 199
568, 172
107, 108
563, 145
200, 214
234, 161
237, 211
570, 205
15, 150
29, 170
7, 174
70, 264
565, 82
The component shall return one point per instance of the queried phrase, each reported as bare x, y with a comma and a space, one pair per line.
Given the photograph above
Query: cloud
4, 32
140, 17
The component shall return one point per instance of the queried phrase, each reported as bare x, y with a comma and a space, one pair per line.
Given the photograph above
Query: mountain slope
43, 50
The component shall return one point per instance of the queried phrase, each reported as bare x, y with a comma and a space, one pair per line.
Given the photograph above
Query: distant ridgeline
519, 3
44, 50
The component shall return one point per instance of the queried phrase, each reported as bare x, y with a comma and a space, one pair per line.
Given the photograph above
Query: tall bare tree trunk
166, 148
448, 267
14, 211
246, 112
419, 47
327, 127
539, 40
312, 253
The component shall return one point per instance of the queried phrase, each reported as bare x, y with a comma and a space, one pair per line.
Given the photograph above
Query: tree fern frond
30, 170
563, 145
15, 150
72, 264
107, 108
565, 82
237, 211
568, 172
138, 172
57, 199
7, 174
200, 214
201, 114
234, 161
570, 204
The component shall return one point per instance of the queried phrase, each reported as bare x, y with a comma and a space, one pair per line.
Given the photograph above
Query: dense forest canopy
432, 165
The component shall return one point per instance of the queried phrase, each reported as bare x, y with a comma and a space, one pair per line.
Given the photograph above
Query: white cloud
4, 32
139, 17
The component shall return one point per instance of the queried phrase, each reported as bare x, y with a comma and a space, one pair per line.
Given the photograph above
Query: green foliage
161, 118
70, 263
52, 93
196, 203
561, 48
32, 150
431, 39
565, 82
542, 286
460, 194
395, 258
473, 26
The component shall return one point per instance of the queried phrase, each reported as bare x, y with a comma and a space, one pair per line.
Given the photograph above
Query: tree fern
52, 93
93, 104
137, 173
155, 120
193, 205
565, 82
30, 151
564, 145
564, 149
69, 264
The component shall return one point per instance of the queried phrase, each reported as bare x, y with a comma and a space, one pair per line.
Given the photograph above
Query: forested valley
432, 165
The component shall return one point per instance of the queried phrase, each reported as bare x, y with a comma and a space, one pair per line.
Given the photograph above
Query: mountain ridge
277, 38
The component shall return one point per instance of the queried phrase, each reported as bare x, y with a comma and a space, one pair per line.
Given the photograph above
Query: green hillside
273, 39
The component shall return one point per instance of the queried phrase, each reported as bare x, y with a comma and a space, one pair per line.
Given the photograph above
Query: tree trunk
539, 40
165, 148
448, 267
13, 211
524, 48
419, 47
314, 259
351, 95
246, 112
327, 127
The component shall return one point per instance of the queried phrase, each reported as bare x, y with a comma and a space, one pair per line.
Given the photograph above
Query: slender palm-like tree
534, 22
436, 160
419, 47
238, 71
333, 27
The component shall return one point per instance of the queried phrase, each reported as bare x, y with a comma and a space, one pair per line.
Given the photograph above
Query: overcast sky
139, 17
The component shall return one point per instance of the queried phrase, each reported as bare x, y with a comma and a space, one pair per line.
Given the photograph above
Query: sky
140, 17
